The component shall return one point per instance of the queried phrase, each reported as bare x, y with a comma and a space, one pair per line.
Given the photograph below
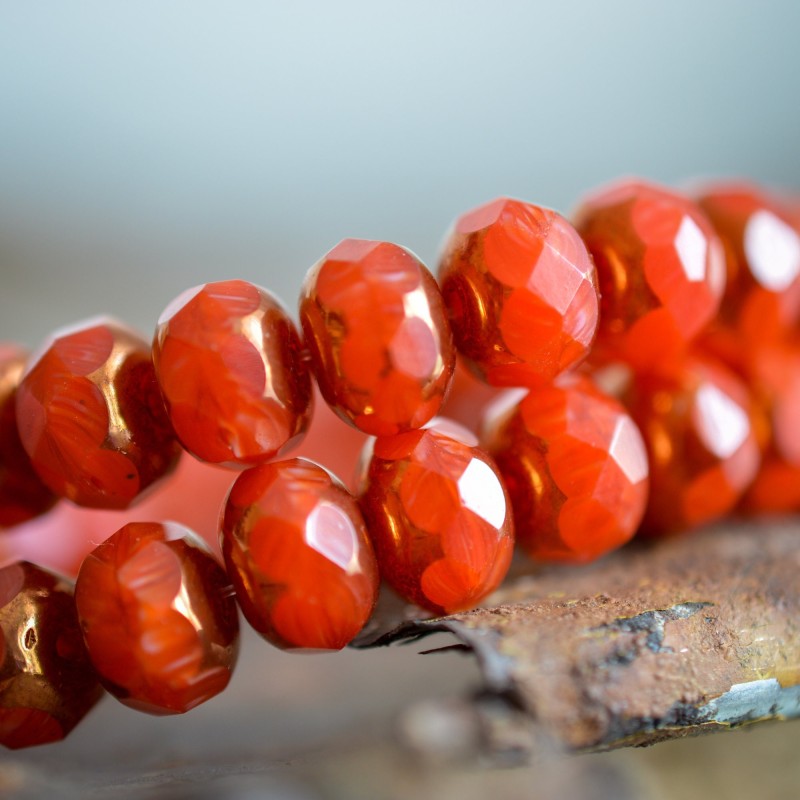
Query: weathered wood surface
696, 634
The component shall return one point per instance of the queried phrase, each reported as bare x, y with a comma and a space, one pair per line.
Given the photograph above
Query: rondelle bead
297, 552
575, 467
158, 617
660, 269
47, 684
230, 365
438, 515
770, 367
697, 421
381, 348
91, 417
23, 496
520, 291
762, 250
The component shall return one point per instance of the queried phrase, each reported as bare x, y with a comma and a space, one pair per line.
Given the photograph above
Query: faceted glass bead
381, 348
229, 361
297, 551
698, 423
575, 467
47, 684
771, 369
158, 617
660, 268
23, 496
439, 516
520, 291
91, 417
762, 249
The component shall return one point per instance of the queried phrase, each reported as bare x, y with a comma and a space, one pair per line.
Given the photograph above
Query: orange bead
697, 421
439, 517
23, 496
762, 249
230, 365
660, 268
381, 348
47, 684
91, 417
158, 618
520, 291
575, 467
771, 369
299, 556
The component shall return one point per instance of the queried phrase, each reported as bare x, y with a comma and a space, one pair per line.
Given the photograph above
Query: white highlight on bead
482, 493
692, 247
722, 424
332, 534
627, 449
772, 249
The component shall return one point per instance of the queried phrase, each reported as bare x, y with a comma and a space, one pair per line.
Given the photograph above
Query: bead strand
660, 424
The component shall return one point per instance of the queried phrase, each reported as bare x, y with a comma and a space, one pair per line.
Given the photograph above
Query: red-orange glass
159, 618
91, 417
762, 249
439, 517
23, 496
520, 291
575, 467
771, 369
230, 365
47, 684
660, 269
297, 551
381, 348
698, 422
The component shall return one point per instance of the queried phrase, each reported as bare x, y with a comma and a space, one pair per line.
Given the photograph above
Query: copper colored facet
91, 417
158, 618
47, 684
230, 364
23, 496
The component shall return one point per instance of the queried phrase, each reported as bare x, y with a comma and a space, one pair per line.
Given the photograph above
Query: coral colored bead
158, 617
47, 684
660, 268
520, 291
91, 417
771, 369
380, 345
575, 467
439, 517
298, 554
697, 420
762, 249
23, 496
229, 361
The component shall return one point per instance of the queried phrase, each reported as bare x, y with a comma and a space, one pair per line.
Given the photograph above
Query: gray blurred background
150, 146
146, 147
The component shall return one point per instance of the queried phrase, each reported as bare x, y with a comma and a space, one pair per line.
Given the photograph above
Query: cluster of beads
661, 424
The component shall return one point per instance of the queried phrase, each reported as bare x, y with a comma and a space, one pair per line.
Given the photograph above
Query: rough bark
691, 635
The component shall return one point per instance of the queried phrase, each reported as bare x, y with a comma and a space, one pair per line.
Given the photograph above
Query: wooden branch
691, 635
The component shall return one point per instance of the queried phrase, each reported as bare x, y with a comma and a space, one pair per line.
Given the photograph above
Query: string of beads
650, 370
